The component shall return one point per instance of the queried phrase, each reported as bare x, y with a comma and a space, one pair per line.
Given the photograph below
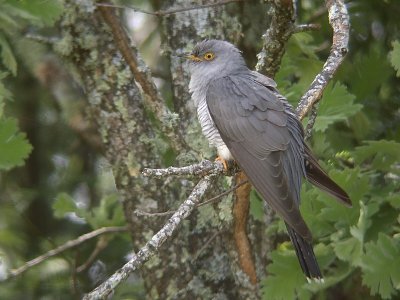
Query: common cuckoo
243, 115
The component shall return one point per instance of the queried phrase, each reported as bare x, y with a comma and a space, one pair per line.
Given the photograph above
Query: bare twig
213, 199
282, 26
339, 20
155, 243
143, 76
161, 13
101, 244
311, 121
208, 201
206, 244
64, 247
42, 39
205, 167
141, 213
306, 27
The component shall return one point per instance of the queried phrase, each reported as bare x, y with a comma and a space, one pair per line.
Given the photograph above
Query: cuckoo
244, 116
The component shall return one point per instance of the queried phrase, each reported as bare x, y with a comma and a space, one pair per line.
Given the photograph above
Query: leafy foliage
381, 272
395, 57
14, 147
337, 105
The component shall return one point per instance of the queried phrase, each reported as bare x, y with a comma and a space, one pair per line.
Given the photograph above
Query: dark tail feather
320, 179
306, 256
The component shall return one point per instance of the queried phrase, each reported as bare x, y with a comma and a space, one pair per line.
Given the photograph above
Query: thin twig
68, 245
141, 213
143, 76
101, 244
339, 20
213, 199
205, 167
306, 27
206, 244
152, 246
161, 13
170, 212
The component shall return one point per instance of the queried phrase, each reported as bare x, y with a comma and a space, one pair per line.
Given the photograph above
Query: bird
243, 115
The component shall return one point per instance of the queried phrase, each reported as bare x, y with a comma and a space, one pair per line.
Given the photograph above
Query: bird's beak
189, 56
192, 57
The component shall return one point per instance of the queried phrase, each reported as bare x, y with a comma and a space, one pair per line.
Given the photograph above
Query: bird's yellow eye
209, 56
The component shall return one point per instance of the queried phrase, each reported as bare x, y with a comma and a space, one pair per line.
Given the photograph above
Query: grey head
212, 59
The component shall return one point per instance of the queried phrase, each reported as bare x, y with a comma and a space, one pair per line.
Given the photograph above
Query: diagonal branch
161, 13
203, 168
155, 243
339, 20
68, 245
143, 76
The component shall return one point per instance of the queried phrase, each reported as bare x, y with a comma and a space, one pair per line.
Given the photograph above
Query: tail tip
318, 280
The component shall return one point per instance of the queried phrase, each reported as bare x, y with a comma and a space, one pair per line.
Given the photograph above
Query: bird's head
214, 59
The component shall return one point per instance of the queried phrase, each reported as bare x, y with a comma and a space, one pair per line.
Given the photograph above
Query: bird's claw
223, 162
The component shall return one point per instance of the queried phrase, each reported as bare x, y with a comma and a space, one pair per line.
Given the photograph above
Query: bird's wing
254, 124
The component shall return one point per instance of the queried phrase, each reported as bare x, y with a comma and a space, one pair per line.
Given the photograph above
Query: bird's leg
224, 162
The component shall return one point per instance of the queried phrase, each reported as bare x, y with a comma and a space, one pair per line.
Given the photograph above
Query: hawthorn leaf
394, 57
14, 147
380, 266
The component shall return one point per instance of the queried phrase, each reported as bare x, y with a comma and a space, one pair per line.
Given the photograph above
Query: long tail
318, 177
306, 256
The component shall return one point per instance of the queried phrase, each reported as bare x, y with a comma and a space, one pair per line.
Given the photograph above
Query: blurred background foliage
52, 173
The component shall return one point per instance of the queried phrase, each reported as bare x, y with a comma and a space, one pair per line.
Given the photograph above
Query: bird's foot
223, 162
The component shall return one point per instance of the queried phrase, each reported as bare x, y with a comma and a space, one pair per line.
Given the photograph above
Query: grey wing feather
265, 138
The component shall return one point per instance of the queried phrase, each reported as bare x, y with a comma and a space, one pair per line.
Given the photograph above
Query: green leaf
382, 154
357, 186
5, 94
14, 148
368, 72
380, 266
285, 279
256, 206
63, 204
394, 57
39, 11
337, 104
108, 213
7, 56
349, 250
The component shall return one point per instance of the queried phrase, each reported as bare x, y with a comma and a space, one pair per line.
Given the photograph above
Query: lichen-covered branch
203, 168
282, 26
143, 76
155, 242
68, 245
339, 20
161, 13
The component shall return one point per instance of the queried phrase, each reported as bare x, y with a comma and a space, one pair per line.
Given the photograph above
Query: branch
141, 213
155, 243
240, 214
64, 247
339, 20
161, 13
311, 121
282, 26
203, 168
143, 76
